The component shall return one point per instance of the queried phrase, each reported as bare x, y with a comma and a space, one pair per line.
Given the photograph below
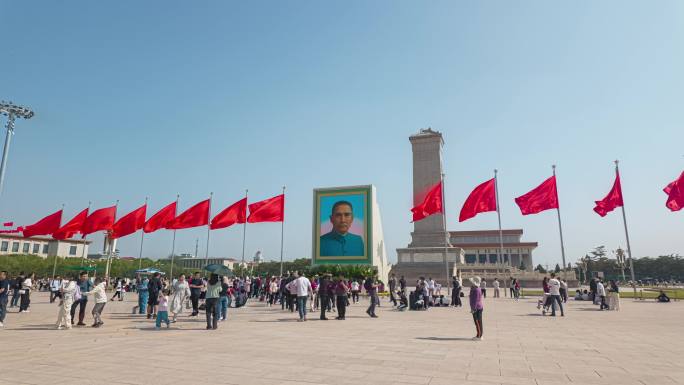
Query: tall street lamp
12, 112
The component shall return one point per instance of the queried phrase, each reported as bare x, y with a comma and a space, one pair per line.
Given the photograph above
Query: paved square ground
642, 344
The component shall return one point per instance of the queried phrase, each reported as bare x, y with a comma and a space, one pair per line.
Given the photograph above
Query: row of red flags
104, 219
543, 197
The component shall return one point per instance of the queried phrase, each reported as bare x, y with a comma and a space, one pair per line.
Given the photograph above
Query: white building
42, 246
199, 263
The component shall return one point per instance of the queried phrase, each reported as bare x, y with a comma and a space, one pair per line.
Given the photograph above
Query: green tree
540, 269
557, 269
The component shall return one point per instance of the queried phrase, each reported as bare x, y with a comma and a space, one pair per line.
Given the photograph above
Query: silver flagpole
244, 233
560, 228
446, 236
142, 240
624, 221
84, 238
110, 243
206, 255
54, 267
173, 243
498, 214
282, 235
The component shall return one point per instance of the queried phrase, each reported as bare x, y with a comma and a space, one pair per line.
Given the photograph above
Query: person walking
25, 292
273, 291
224, 299
55, 286
70, 292
483, 287
181, 292
601, 293
16, 287
372, 289
195, 285
163, 309
554, 295
323, 295
341, 290
355, 288
4, 292
496, 285
564, 290
100, 297
154, 287
211, 300
392, 287
301, 287
117, 290
456, 292
476, 306
402, 284
84, 285
512, 287
143, 294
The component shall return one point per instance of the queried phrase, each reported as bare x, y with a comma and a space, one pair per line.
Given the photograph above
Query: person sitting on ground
585, 295
578, 295
662, 297
403, 301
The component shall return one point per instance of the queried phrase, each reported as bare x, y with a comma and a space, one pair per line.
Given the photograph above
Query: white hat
474, 281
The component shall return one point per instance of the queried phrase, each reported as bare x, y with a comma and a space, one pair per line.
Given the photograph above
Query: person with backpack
371, 288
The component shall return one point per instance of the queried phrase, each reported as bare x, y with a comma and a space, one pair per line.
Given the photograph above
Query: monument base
416, 262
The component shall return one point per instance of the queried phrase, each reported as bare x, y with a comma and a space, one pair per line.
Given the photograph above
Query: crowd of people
162, 300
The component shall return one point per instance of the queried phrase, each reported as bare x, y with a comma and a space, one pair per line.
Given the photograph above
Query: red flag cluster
675, 194
104, 219
543, 197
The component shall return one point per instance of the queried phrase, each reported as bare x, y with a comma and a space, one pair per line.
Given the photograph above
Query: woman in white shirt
25, 292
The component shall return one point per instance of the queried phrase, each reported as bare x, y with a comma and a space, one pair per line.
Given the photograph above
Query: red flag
161, 218
45, 226
543, 197
100, 219
197, 215
8, 224
72, 227
129, 223
236, 213
675, 194
432, 203
481, 200
268, 210
612, 200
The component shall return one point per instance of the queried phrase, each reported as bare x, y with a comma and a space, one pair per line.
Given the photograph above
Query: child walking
163, 309
476, 306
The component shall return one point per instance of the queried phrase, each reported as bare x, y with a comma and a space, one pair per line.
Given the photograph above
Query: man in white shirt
601, 293
302, 288
554, 295
496, 288
430, 286
55, 286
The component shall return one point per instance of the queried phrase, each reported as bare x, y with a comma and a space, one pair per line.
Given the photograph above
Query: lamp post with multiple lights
12, 112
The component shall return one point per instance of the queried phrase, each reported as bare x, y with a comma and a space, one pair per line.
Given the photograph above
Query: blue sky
138, 99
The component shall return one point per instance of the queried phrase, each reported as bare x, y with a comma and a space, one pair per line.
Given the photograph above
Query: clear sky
138, 99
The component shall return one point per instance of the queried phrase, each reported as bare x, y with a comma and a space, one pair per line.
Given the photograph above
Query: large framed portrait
342, 225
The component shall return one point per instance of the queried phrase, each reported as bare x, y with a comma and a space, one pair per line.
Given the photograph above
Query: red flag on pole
72, 227
8, 224
235, 213
129, 223
161, 218
45, 226
197, 215
99, 220
612, 200
432, 203
543, 197
268, 210
481, 200
675, 194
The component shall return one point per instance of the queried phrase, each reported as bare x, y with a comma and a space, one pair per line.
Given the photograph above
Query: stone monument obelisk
429, 247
